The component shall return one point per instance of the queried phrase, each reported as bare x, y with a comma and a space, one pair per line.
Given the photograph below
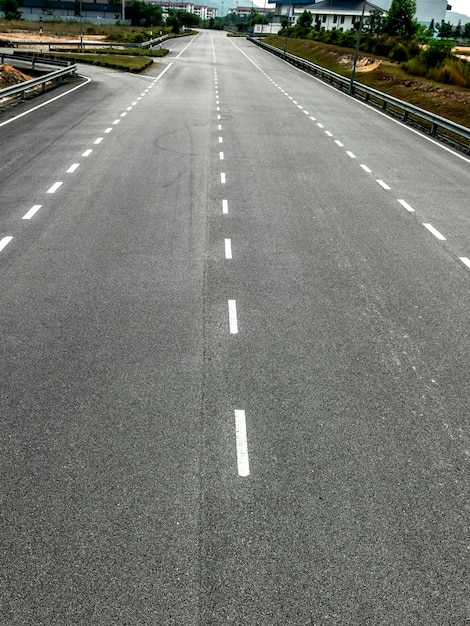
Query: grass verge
450, 102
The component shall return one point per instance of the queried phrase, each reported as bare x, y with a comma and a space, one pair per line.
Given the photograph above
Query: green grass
126, 62
447, 101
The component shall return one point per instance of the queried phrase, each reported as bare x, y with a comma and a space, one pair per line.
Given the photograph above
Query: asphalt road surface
234, 353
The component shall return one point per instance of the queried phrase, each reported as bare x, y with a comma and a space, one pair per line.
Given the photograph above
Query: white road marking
232, 317
243, 462
218, 109
350, 154
406, 206
219, 126
221, 140
134, 103
221, 156
222, 178
338, 143
327, 132
224, 206
72, 168
4, 242
435, 232
366, 169
98, 141
139, 98
465, 260
116, 122
32, 211
218, 117
306, 112
87, 152
320, 125
108, 130
228, 249
123, 114
129, 109
382, 184
66, 93
313, 119
54, 187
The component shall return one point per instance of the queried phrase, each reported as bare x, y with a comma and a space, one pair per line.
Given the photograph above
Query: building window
342, 19
335, 19
323, 18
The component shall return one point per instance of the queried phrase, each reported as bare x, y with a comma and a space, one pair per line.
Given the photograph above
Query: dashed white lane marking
98, 141
320, 125
406, 206
116, 122
224, 206
243, 463
228, 249
219, 126
72, 168
465, 260
218, 117
134, 103
306, 112
129, 109
54, 187
232, 317
4, 242
32, 211
313, 118
221, 139
139, 98
338, 143
221, 156
87, 152
328, 134
382, 184
123, 114
222, 178
108, 130
350, 154
366, 169
435, 232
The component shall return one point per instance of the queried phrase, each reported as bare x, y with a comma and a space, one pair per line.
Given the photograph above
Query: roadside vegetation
398, 56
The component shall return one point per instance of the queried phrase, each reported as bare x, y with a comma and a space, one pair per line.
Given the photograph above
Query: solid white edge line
228, 249
406, 206
232, 317
243, 463
435, 232
32, 211
4, 242
382, 184
224, 206
54, 187
17, 117
465, 260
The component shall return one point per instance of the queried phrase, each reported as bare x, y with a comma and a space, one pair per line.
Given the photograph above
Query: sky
460, 6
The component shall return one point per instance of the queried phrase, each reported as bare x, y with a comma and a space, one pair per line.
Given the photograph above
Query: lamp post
81, 27
356, 52
40, 31
287, 29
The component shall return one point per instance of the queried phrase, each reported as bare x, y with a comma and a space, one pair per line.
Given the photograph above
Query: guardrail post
22, 94
433, 129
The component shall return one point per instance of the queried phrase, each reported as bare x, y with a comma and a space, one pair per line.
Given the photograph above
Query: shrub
436, 51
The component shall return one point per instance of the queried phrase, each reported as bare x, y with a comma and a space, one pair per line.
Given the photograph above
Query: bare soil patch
10, 76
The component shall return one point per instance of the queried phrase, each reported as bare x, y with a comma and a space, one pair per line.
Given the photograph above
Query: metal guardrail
408, 113
50, 45
22, 88
32, 59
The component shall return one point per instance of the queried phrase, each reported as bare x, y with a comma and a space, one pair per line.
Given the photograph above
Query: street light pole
356, 52
81, 27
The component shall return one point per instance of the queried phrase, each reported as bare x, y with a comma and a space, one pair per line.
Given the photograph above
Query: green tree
144, 14
458, 30
466, 31
400, 19
305, 20
173, 21
374, 23
10, 9
445, 30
